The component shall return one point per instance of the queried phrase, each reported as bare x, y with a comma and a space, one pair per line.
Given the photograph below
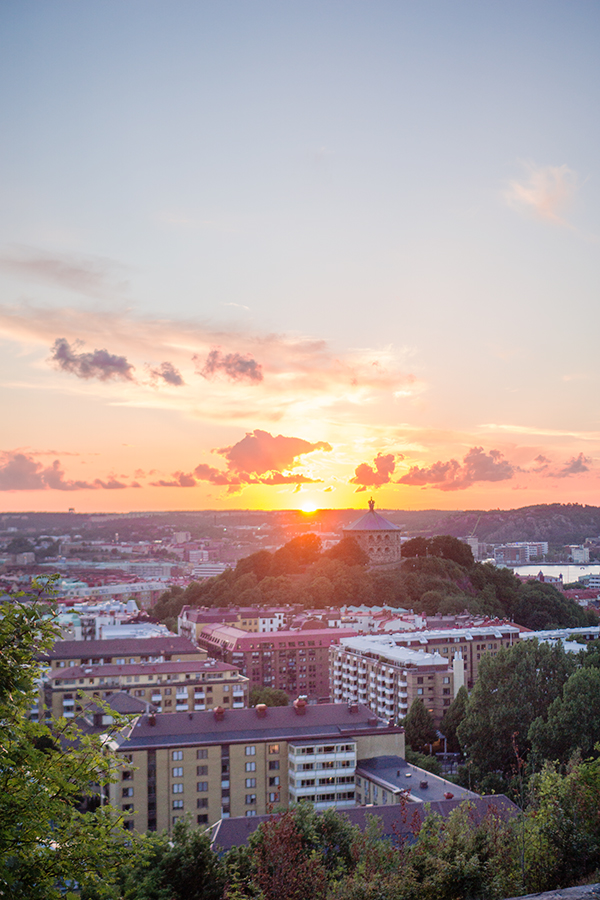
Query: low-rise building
119, 652
390, 779
243, 762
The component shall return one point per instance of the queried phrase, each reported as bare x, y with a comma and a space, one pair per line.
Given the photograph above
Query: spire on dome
371, 504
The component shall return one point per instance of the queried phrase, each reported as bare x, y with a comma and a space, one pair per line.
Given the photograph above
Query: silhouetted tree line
436, 576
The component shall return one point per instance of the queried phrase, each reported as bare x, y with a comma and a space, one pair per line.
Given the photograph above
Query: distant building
378, 537
520, 553
578, 554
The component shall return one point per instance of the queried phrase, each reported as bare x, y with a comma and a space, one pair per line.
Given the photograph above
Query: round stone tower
379, 538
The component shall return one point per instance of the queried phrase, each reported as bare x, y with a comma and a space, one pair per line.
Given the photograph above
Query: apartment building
472, 642
121, 651
388, 780
388, 678
294, 661
169, 686
520, 552
243, 762
191, 620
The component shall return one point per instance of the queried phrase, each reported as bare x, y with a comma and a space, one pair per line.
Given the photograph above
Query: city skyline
292, 256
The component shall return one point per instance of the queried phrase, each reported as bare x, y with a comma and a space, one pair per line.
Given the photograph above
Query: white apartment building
387, 678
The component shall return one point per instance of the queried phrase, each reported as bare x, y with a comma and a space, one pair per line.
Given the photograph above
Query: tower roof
372, 521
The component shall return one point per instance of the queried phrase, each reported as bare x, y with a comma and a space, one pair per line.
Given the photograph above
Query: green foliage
348, 551
512, 690
46, 842
180, 866
573, 722
269, 696
419, 728
423, 761
452, 719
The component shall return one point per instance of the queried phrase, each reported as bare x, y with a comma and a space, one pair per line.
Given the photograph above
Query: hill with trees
437, 576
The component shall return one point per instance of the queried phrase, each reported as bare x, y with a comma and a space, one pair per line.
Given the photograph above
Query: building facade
378, 537
169, 686
388, 678
296, 662
244, 762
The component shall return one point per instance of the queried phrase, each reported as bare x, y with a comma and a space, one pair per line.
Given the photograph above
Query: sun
308, 507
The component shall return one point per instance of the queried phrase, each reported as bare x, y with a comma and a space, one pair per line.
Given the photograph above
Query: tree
449, 547
180, 866
419, 728
348, 550
269, 696
452, 719
46, 842
573, 721
512, 689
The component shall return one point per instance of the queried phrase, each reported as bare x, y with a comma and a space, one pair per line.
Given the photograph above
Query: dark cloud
577, 465
95, 277
98, 364
452, 476
260, 452
20, 472
233, 365
373, 476
168, 373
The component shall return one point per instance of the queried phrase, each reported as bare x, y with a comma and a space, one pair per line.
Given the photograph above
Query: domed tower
378, 537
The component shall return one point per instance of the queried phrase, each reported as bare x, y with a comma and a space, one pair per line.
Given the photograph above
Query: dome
372, 521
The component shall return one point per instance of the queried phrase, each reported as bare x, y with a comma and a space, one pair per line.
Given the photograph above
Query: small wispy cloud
546, 192
93, 276
167, 374
234, 366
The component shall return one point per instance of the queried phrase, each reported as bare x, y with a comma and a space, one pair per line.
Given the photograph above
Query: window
127, 792
250, 751
273, 748
273, 782
177, 788
168, 692
177, 804
446, 680
177, 771
202, 786
202, 819
202, 753
250, 812
201, 770
273, 764
419, 690
177, 754
202, 802
273, 797
250, 767
127, 807
250, 782
250, 799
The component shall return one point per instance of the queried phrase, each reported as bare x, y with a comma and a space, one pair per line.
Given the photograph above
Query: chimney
151, 719
219, 713
261, 710
300, 706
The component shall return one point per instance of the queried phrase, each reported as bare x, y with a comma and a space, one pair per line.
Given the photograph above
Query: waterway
569, 573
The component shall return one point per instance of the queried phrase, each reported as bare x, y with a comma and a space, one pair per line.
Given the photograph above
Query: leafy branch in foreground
48, 843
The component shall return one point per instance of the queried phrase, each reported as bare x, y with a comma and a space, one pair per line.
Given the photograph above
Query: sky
294, 255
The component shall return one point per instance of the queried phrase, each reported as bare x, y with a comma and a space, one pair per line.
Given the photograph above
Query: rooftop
372, 521
190, 667
327, 720
396, 775
134, 646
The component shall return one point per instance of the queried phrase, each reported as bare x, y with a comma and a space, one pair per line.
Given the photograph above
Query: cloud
168, 373
235, 366
577, 465
259, 458
546, 192
376, 475
98, 364
93, 276
180, 479
303, 377
452, 476
21, 472
259, 452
